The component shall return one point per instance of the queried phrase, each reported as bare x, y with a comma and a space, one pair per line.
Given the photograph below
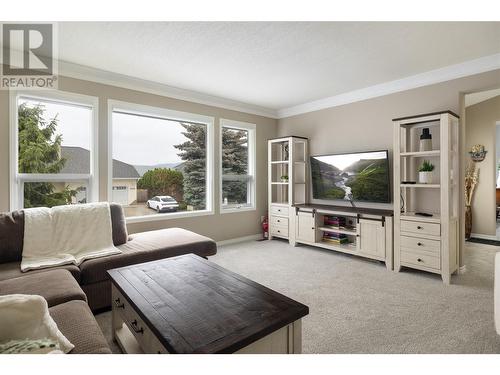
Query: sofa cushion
12, 232
11, 236
118, 223
13, 269
56, 286
75, 320
145, 247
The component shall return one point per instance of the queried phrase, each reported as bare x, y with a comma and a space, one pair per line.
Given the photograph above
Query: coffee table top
195, 306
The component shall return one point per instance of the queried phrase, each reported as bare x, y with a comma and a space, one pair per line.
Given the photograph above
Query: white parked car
163, 203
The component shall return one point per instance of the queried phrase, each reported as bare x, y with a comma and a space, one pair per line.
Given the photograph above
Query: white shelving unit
287, 156
420, 242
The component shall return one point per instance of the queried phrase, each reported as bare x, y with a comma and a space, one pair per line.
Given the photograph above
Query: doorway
482, 132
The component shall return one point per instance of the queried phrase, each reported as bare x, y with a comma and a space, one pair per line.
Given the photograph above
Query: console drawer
279, 211
419, 227
279, 221
279, 230
420, 259
420, 244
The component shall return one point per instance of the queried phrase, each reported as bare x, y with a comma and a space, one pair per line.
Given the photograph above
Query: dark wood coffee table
187, 304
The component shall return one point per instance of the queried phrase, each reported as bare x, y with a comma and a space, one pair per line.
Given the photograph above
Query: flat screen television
365, 175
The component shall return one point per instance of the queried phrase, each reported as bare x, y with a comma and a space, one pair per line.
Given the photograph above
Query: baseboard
253, 237
484, 236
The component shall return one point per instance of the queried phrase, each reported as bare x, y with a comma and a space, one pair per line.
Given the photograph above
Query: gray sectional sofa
71, 291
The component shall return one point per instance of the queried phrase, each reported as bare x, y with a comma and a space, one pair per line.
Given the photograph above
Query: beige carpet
357, 306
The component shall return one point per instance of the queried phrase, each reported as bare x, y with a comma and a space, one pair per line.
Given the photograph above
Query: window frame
252, 186
17, 179
167, 114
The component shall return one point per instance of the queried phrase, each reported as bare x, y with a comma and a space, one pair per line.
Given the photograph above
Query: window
237, 166
164, 158
53, 159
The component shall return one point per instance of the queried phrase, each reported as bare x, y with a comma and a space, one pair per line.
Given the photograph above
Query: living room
195, 187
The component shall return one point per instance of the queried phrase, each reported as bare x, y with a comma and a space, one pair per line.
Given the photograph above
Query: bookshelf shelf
428, 186
421, 154
440, 198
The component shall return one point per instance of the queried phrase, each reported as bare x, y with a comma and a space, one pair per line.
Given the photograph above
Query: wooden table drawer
279, 221
279, 211
420, 244
419, 227
279, 230
134, 323
421, 259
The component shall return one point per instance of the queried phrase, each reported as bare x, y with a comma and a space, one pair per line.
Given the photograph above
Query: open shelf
418, 154
280, 162
279, 183
435, 218
429, 186
340, 231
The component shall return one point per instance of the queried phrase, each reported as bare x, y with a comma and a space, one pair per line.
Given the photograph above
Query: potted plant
284, 178
425, 172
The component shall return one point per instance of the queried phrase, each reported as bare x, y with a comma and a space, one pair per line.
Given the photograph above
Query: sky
136, 140
345, 160
146, 141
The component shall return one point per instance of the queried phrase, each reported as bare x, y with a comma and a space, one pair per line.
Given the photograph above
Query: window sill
233, 210
166, 216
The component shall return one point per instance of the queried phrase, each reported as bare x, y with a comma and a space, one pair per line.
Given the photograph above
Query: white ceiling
478, 97
274, 65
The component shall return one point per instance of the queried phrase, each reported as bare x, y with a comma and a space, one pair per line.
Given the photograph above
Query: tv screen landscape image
365, 175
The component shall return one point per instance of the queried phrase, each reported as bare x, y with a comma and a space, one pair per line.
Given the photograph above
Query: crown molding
468, 68
82, 72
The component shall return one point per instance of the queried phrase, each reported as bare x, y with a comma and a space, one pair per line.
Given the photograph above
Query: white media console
368, 232
365, 232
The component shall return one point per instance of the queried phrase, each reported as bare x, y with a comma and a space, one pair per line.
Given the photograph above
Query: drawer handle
118, 304
279, 231
135, 328
279, 210
279, 221
419, 260
420, 244
419, 227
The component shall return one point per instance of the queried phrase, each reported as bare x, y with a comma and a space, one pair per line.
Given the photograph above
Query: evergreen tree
193, 153
234, 165
39, 152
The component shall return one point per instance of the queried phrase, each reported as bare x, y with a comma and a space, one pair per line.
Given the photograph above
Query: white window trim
168, 114
16, 178
251, 128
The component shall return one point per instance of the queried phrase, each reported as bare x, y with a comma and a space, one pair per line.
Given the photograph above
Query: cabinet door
305, 228
371, 238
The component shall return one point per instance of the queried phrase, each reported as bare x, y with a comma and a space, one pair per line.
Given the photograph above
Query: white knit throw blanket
26, 317
66, 234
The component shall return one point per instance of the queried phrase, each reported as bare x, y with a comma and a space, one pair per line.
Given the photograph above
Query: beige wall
219, 226
480, 128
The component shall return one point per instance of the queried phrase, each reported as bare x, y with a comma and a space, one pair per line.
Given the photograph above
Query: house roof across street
78, 162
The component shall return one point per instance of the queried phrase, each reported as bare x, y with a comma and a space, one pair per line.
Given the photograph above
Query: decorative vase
425, 177
426, 140
468, 221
